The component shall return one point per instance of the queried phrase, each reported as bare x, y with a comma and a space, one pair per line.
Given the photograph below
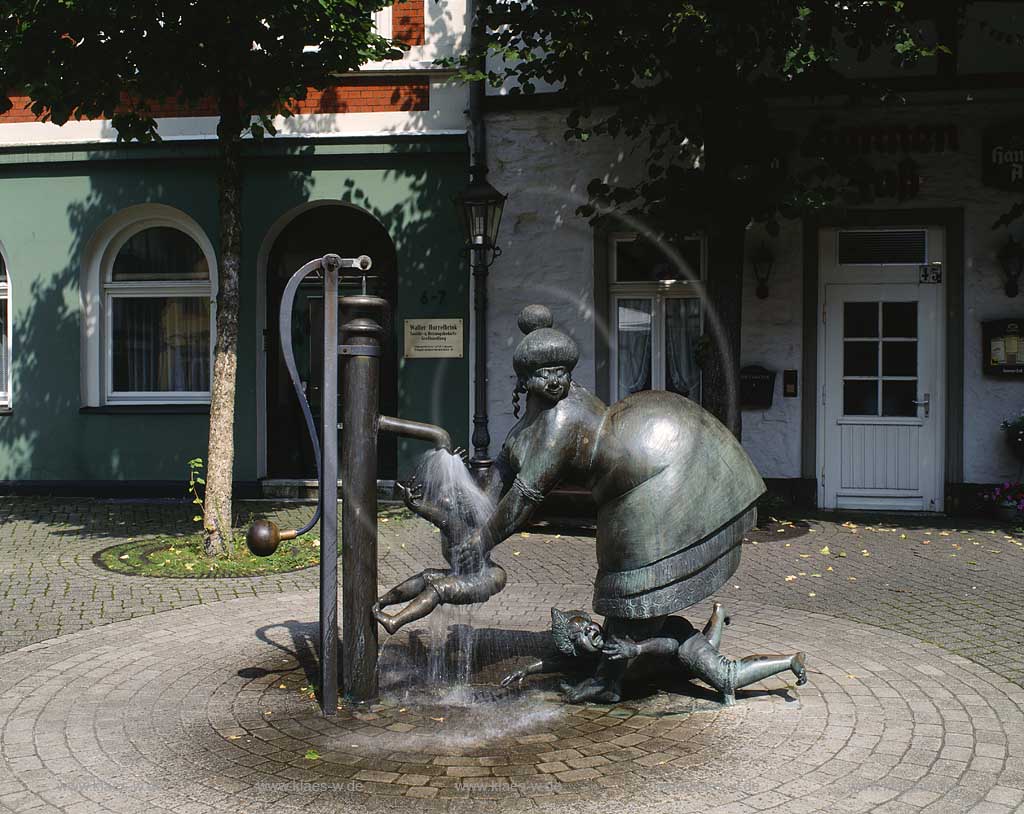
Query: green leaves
92, 58
684, 80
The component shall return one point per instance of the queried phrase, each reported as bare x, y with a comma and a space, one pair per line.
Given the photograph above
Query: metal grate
883, 247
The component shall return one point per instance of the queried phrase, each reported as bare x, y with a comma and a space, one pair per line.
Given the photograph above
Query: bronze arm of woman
544, 455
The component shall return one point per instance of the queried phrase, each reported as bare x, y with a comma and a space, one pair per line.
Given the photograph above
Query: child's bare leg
419, 607
751, 669
404, 591
713, 629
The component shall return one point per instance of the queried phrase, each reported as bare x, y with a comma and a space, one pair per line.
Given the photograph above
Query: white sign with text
433, 338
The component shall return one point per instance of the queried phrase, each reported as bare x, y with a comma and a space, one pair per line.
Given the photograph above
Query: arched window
5, 335
148, 287
158, 320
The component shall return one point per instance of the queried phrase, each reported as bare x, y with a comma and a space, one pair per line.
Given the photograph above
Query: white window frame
6, 397
99, 290
383, 22
657, 292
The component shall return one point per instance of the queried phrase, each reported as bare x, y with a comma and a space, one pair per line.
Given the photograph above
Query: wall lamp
1011, 258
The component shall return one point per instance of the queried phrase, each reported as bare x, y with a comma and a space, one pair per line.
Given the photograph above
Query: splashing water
448, 484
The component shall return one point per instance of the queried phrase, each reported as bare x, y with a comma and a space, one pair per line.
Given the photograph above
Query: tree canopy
689, 81
88, 59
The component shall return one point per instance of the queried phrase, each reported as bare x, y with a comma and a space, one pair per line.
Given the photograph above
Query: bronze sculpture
674, 489
434, 586
577, 636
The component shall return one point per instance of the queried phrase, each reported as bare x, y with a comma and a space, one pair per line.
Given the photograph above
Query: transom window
5, 336
158, 318
880, 358
656, 315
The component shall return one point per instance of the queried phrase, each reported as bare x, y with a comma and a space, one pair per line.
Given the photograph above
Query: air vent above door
882, 247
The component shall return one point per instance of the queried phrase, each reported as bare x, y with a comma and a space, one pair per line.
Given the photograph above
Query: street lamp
480, 206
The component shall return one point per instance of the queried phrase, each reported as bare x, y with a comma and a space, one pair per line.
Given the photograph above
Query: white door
883, 378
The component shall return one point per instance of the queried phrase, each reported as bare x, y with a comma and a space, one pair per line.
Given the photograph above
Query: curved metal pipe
264, 535
416, 429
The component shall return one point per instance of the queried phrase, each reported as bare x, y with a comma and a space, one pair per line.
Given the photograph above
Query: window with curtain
656, 315
5, 336
157, 302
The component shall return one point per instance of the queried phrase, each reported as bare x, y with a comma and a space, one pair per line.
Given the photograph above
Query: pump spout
416, 429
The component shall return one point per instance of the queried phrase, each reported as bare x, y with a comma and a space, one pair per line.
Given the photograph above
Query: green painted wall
51, 205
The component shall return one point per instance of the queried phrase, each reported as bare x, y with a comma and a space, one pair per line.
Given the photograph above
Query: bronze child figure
477, 582
577, 635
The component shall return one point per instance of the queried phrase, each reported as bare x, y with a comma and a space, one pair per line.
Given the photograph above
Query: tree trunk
217, 514
725, 234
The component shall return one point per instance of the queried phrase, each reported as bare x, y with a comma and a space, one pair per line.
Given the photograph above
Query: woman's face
549, 383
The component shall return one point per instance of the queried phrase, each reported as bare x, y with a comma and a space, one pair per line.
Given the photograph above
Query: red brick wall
407, 21
357, 94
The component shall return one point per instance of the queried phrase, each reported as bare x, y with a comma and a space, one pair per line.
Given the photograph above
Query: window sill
147, 409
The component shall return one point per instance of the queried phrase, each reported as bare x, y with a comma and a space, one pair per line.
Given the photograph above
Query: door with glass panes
655, 316
882, 397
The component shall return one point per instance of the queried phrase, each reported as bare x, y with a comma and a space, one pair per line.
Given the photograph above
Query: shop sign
433, 338
882, 139
1002, 155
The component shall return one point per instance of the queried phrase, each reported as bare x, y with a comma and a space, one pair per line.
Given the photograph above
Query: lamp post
480, 206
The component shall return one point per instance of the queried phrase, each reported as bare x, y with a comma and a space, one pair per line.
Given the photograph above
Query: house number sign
931, 273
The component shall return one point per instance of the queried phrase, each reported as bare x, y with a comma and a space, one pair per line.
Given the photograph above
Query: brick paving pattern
198, 706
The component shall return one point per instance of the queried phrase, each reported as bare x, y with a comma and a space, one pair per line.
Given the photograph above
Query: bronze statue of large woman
674, 489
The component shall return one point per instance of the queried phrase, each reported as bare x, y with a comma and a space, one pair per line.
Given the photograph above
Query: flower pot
1008, 513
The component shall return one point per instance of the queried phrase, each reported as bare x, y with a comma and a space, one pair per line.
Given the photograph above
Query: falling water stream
434, 663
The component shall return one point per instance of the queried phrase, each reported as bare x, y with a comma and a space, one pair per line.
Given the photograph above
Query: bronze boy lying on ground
577, 635
436, 586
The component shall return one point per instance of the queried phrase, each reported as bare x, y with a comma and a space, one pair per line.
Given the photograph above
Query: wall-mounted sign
433, 339
757, 387
1003, 352
1002, 155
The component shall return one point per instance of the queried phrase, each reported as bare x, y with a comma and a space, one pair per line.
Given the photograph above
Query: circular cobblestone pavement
203, 710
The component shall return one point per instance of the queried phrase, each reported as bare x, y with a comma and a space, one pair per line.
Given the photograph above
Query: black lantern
480, 206
1011, 257
762, 260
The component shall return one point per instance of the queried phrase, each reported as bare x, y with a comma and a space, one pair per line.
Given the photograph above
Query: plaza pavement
129, 694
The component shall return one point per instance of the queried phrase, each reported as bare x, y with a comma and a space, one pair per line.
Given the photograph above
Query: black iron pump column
480, 207
361, 336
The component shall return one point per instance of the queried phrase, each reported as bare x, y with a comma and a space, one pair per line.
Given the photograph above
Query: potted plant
1014, 429
1007, 500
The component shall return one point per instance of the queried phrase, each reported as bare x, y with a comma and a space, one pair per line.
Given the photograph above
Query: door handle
926, 402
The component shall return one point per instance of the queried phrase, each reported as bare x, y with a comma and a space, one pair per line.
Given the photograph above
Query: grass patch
182, 556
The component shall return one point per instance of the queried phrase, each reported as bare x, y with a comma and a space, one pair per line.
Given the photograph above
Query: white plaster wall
953, 179
548, 250
771, 337
549, 258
